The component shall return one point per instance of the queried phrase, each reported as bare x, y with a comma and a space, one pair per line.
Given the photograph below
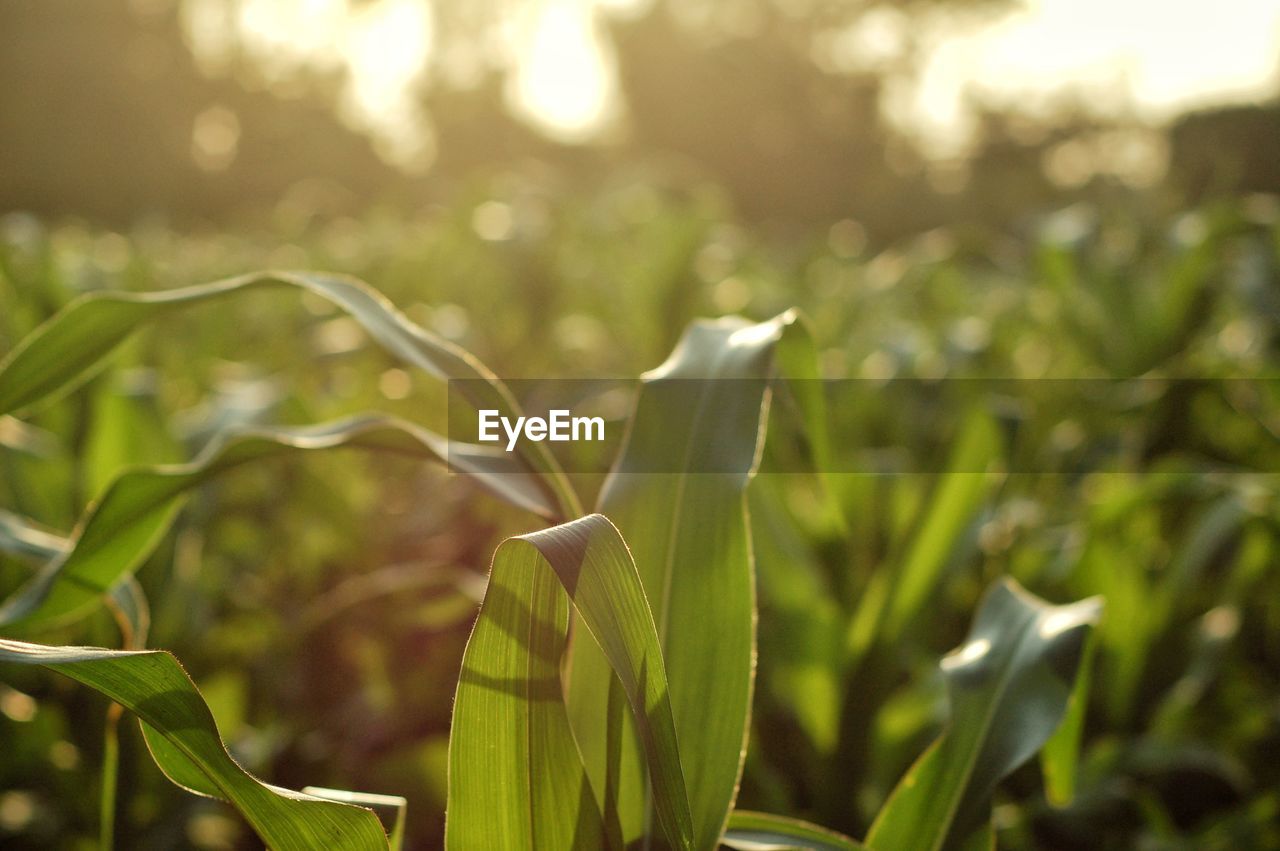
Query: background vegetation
292, 591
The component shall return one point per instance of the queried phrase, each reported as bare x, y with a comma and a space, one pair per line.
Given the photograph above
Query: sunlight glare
1157, 57
387, 44
563, 77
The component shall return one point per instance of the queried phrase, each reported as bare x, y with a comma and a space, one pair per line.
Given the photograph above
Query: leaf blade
153, 685
126, 523
753, 831
516, 680
704, 406
1009, 686
67, 347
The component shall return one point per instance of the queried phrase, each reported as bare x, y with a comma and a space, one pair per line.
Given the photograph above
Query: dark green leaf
1009, 684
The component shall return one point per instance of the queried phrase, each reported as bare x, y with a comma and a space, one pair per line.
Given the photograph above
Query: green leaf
127, 601
798, 362
390, 809
20, 536
752, 831
895, 598
699, 421
126, 523
153, 685
70, 345
1061, 755
801, 622
1009, 684
516, 779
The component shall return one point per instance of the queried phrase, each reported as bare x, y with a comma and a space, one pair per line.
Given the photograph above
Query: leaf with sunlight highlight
1009, 685
72, 344
516, 779
184, 741
700, 415
126, 523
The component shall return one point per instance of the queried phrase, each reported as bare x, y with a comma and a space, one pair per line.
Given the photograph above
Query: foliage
863, 580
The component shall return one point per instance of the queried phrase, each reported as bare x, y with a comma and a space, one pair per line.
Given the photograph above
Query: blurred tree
105, 114
789, 139
1228, 150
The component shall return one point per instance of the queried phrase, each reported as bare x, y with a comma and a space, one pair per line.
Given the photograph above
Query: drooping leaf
1009, 684
677, 493
516, 779
22, 537
153, 685
752, 831
122, 429
74, 342
390, 809
128, 520
126, 599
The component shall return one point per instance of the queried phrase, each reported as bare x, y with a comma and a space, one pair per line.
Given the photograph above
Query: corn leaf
128, 602
185, 743
1060, 757
895, 598
698, 421
516, 779
1009, 684
752, 831
126, 523
390, 809
798, 362
72, 344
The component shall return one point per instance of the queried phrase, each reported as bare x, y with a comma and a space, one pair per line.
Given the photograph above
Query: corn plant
606, 690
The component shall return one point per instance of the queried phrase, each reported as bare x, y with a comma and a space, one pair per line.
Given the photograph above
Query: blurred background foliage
803, 111
734, 170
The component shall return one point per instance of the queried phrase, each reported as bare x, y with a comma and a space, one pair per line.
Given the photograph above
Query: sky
1157, 58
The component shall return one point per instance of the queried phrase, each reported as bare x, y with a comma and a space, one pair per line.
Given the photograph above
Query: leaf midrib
971, 760
668, 560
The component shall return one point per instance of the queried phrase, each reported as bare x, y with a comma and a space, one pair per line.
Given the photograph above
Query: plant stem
110, 779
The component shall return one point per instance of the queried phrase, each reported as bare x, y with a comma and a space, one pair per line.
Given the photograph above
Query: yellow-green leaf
125, 524
152, 685
516, 779
677, 493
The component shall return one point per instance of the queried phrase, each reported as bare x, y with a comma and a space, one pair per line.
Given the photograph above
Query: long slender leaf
389, 808
127, 521
700, 416
516, 779
1060, 757
798, 362
752, 831
128, 604
127, 601
1009, 684
895, 597
70, 345
153, 685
